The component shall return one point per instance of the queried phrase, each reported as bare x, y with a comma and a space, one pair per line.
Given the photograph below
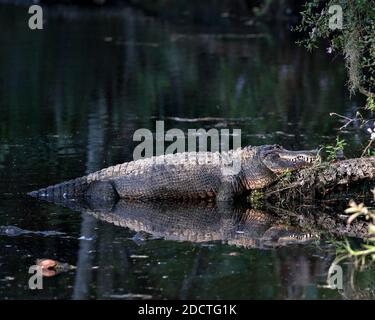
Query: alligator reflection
198, 222
194, 263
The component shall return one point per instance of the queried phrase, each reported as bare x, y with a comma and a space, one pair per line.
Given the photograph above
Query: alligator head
279, 160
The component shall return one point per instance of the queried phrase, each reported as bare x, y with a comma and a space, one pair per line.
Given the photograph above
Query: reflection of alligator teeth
300, 237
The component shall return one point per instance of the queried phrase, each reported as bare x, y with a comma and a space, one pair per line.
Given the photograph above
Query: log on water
319, 180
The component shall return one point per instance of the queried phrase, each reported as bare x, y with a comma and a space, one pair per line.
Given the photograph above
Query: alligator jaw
280, 160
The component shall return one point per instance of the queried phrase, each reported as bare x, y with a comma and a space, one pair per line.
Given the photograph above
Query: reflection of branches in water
4, 151
320, 219
357, 260
354, 267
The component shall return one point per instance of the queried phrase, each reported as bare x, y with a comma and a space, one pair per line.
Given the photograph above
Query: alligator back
182, 175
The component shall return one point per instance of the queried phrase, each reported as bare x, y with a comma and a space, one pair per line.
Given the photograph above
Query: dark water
71, 97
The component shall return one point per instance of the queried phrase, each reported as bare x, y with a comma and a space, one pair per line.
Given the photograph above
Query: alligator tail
65, 190
77, 187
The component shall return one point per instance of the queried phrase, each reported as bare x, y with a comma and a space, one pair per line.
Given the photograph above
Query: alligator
188, 175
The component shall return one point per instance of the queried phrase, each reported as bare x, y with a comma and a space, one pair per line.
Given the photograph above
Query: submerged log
318, 181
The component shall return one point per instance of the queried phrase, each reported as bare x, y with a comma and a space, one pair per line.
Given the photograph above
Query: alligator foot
102, 192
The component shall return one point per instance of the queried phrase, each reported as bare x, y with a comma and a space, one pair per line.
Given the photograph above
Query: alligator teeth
303, 158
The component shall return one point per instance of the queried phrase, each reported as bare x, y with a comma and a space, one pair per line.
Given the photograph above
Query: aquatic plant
334, 150
367, 248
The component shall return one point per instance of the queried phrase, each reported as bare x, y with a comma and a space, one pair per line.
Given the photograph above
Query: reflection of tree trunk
187, 284
95, 152
83, 274
131, 54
